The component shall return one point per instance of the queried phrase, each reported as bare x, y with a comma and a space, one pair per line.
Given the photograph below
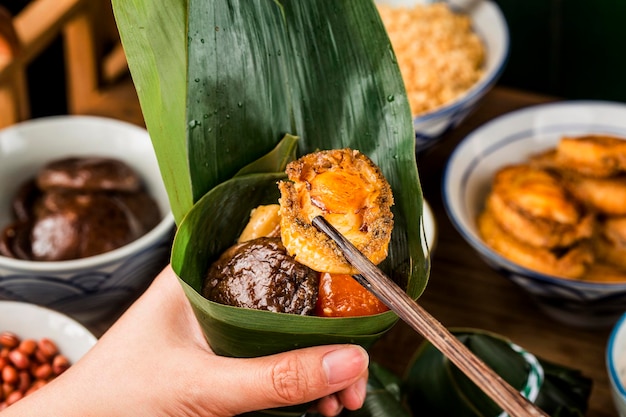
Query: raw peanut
43, 371
36, 385
40, 357
14, 397
33, 366
28, 346
9, 340
59, 364
25, 381
9, 375
47, 347
27, 365
7, 389
19, 359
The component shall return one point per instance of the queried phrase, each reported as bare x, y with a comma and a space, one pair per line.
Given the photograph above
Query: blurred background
568, 48
571, 49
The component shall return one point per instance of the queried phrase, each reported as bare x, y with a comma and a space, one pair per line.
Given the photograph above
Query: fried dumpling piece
610, 241
594, 155
572, 262
605, 273
533, 206
545, 160
264, 222
351, 193
605, 195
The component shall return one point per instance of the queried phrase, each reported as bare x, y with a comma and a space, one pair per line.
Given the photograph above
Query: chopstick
372, 278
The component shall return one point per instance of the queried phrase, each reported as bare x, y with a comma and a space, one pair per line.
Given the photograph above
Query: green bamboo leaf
153, 34
276, 160
238, 98
324, 71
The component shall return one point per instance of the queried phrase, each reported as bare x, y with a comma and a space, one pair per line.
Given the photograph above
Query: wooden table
463, 291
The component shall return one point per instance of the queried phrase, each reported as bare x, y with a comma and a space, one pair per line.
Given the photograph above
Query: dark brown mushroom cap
88, 174
72, 225
259, 274
78, 207
15, 240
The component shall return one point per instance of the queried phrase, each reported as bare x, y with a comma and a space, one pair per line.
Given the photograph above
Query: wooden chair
86, 27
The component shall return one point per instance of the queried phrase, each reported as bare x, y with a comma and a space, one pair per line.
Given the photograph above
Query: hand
155, 361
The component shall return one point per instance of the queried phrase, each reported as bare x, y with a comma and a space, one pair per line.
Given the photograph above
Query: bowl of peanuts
36, 345
450, 55
85, 222
540, 194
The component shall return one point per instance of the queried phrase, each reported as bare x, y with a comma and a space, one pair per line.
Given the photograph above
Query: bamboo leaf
238, 98
276, 160
153, 34
324, 71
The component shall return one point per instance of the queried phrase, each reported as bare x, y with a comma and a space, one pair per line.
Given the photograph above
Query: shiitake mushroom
260, 274
78, 207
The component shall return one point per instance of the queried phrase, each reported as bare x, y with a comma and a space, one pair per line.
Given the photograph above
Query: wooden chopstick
371, 277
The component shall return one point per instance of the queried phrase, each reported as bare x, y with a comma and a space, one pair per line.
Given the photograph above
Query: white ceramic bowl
512, 138
489, 23
29, 321
95, 288
429, 230
616, 364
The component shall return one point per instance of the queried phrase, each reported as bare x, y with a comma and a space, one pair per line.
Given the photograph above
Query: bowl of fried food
540, 194
450, 55
85, 223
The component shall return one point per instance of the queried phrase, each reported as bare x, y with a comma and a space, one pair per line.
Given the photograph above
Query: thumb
294, 377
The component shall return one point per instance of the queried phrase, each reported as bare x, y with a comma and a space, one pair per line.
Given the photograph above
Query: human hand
155, 361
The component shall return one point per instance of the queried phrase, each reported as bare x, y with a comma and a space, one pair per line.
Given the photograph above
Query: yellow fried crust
605, 195
264, 222
351, 193
610, 241
571, 262
593, 155
532, 205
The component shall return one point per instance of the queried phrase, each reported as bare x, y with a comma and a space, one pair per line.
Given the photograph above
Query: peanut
27, 365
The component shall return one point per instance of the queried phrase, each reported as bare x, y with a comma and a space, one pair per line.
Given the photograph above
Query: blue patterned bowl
616, 364
96, 289
489, 23
512, 138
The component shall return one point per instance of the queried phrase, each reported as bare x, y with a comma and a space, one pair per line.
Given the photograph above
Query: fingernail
344, 363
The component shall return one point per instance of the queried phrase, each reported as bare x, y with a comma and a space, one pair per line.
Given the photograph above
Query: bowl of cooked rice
450, 55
